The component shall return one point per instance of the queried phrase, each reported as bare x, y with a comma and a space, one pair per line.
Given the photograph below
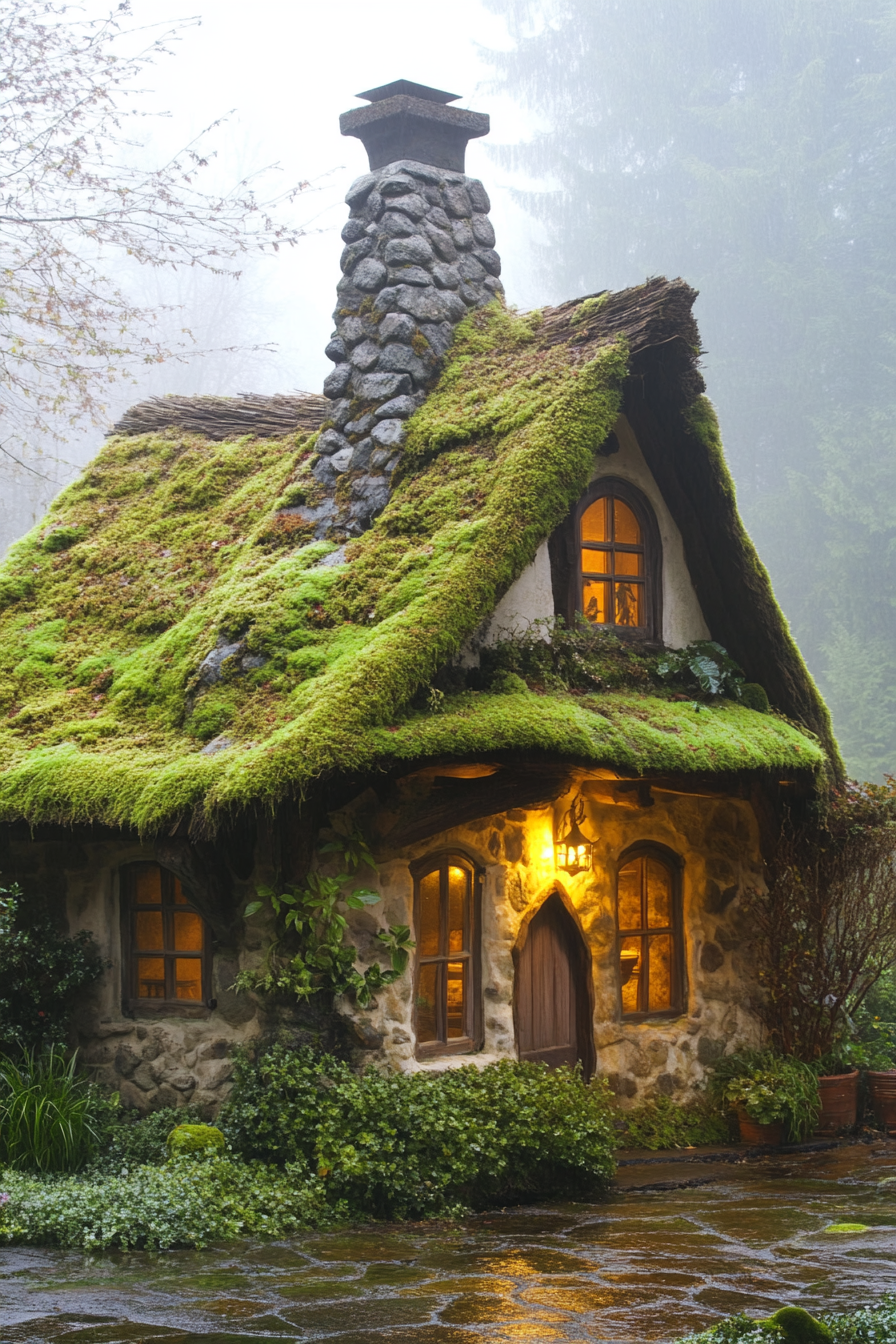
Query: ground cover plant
310, 1143
190, 1201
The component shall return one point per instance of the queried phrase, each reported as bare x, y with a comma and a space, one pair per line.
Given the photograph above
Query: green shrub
187, 1139
134, 1140
50, 1117
180, 1204
41, 974
663, 1124
418, 1145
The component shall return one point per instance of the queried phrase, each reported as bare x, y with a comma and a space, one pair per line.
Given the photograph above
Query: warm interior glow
612, 574
646, 949
164, 925
444, 912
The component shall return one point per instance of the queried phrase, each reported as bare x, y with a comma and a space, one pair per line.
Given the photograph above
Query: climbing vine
318, 957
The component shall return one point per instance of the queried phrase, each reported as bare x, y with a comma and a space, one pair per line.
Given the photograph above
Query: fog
748, 145
284, 76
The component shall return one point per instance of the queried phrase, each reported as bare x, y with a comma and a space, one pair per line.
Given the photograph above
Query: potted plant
875, 1026
775, 1098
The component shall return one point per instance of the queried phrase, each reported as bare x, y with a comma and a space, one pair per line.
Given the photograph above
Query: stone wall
151, 1060
170, 1060
717, 842
419, 255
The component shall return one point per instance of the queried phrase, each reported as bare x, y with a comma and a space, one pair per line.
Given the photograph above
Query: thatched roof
175, 646
220, 418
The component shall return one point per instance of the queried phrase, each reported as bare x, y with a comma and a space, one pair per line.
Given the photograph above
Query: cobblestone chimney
419, 255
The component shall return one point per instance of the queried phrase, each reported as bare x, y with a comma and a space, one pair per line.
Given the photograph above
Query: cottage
437, 607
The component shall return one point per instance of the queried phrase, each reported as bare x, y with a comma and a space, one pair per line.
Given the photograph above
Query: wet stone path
678, 1245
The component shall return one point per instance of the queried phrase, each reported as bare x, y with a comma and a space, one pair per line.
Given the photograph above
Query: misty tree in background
74, 199
750, 146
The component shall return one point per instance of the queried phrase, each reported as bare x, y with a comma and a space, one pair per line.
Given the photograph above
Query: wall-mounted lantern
573, 851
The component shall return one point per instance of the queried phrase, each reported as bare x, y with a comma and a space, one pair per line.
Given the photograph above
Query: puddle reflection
650, 1264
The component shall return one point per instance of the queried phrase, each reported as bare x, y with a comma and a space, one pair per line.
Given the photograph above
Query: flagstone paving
676, 1246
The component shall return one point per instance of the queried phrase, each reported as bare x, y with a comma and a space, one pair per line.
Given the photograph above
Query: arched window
165, 942
648, 922
618, 560
446, 999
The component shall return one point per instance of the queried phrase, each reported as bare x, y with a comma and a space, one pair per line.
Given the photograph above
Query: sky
281, 73
288, 73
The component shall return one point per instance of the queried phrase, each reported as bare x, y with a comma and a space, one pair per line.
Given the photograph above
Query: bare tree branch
70, 195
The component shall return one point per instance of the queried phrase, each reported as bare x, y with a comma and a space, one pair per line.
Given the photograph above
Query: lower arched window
165, 942
446, 998
648, 921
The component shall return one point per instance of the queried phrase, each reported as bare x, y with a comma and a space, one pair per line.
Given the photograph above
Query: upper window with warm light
613, 564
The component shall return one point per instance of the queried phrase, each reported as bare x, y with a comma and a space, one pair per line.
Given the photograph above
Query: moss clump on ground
174, 548
871, 1324
185, 1139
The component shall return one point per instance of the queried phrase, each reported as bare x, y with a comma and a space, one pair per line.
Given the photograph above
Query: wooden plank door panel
550, 989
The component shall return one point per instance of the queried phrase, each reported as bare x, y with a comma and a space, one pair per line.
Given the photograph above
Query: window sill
437, 1049
668, 1015
169, 1008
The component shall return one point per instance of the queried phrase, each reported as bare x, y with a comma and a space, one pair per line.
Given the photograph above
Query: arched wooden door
553, 991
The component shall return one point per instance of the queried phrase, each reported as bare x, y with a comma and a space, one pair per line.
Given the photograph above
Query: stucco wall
530, 599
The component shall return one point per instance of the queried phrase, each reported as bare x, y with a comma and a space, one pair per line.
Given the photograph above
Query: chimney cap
411, 121
408, 87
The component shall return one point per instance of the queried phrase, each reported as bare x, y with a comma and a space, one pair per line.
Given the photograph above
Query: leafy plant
770, 1088
51, 1118
323, 960
663, 1123
133, 1140
555, 656
41, 974
399, 1145
705, 666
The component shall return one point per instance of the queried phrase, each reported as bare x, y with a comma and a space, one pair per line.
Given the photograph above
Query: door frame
584, 1019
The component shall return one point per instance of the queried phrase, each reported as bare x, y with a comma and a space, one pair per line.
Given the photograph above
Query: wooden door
553, 1001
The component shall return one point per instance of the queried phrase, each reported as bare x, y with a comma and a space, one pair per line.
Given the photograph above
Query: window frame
653, 557
131, 1003
672, 862
420, 868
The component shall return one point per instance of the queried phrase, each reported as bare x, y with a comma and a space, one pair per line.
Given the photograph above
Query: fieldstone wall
717, 842
419, 255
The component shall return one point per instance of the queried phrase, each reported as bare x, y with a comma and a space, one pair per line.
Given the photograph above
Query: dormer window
617, 564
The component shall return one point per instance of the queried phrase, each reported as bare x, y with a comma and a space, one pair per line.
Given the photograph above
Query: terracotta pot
766, 1136
839, 1094
882, 1087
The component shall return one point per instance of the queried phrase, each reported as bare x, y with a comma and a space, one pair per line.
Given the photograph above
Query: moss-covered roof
173, 547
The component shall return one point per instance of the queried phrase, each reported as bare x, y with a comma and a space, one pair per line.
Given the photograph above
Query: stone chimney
419, 255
